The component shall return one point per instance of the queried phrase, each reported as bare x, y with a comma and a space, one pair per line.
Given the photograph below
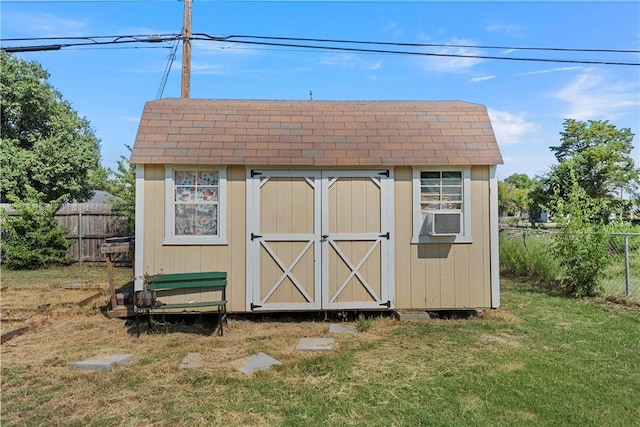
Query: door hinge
254, 306
255, 173
385, 173
386, 235
386, 304
255, 236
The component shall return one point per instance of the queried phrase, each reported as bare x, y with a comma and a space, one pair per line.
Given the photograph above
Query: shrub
33, 239
582, 244
530, 256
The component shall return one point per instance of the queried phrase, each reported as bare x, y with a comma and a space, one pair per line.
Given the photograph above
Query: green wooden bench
206, 281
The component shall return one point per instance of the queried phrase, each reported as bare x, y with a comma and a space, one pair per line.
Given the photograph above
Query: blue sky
527, 100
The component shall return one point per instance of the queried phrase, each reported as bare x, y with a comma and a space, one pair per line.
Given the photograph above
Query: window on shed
195, 205
441, 190
441, 205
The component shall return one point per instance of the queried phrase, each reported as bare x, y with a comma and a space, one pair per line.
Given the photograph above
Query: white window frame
418, 215
170, 238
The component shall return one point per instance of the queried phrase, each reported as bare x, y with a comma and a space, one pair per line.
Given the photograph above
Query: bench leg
221, 331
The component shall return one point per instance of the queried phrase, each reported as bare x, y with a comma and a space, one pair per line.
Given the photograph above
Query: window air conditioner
442, 223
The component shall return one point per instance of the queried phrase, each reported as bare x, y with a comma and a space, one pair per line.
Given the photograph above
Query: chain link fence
620, 278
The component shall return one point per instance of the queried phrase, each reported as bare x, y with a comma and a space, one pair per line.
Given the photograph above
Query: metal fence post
626, 265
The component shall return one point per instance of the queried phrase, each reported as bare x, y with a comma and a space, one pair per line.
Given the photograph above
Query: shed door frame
380, 240
259, 243
324, 242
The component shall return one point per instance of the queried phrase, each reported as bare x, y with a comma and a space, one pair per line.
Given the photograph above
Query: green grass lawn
539, 360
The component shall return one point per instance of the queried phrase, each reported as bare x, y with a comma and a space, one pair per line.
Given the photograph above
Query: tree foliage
33, 239
596, 156
513, 194
581, 245
122, 184
45, 144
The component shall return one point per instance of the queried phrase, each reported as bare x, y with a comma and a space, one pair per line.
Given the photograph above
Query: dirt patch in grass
501, 315
499, 340
33, 307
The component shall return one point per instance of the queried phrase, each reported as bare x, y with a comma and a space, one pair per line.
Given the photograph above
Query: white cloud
482, 79
551, 70
453, 58
592, 96
44, 24
350, 61
509, 127
208, 69
393, 29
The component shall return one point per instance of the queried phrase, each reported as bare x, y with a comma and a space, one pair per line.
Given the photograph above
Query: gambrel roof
315, 133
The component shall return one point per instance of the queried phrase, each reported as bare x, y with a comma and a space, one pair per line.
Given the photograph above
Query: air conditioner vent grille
442, 223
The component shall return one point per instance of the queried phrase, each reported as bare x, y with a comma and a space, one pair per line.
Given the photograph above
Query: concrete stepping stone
259, 362
315, 344
103, 364
338, 328
191, 361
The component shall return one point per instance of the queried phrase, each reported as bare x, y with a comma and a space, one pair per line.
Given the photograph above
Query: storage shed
321, 205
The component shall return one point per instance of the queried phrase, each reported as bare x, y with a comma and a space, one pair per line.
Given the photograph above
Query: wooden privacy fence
88, 225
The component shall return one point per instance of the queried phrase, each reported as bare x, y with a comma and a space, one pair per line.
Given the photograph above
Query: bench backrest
188, 280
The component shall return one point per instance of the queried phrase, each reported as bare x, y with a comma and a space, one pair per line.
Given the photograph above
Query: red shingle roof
315, 133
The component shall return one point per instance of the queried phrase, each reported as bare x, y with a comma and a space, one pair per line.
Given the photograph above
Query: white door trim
384, 181
320, 241
256, 240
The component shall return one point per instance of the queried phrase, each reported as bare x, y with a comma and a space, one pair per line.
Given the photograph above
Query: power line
167, 70
398, 52
91, 41
560, 49
323, 40
277, 42
93, 38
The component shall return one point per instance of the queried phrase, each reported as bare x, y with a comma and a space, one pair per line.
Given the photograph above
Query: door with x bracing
319, 240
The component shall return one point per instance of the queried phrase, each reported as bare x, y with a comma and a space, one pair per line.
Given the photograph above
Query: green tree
582, 243
122, 184
506, 205
513, 194
33, 239
600, 162
45, 144
538, 200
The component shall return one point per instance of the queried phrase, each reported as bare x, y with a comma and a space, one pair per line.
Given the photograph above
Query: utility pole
186, 50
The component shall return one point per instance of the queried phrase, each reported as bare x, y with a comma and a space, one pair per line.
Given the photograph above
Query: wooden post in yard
186, 50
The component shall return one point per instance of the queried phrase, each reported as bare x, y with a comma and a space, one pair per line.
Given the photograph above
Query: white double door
319, 240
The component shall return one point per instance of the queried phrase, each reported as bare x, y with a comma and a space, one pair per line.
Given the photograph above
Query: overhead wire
322, 40
167, 70
230, 39
321, 44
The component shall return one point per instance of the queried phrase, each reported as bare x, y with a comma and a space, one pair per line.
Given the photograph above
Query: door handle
324, 237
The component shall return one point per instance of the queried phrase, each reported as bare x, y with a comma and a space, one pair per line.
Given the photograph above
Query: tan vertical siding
402, 235
480, 251
160, 258
427, 276
437, 275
